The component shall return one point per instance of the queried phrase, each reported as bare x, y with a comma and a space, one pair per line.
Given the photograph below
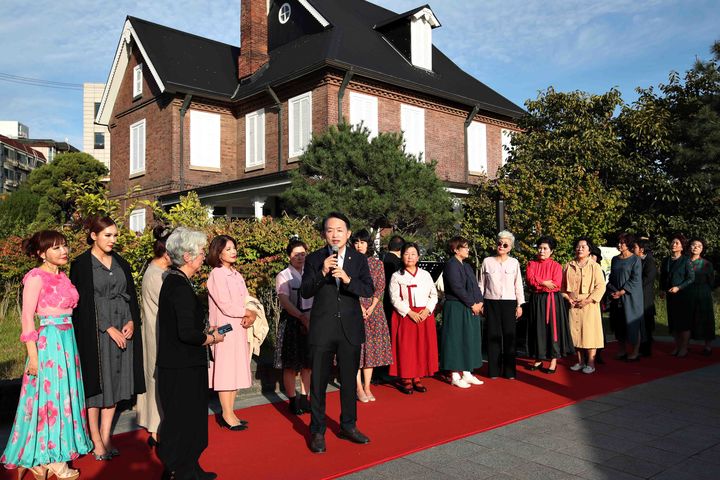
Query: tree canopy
53, 181
376, 183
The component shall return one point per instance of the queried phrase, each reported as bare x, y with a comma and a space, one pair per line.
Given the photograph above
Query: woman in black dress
107, 329
700, 300
676, 274
182, 360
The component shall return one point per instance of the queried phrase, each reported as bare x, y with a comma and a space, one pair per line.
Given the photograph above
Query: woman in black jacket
460, 340
107, 330
182, 360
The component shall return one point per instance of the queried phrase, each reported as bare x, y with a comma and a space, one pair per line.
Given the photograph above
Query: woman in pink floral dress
49, 427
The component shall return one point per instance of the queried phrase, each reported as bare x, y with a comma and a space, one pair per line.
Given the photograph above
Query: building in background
96, 138
17, 160
49, 148
189, 113
14, 129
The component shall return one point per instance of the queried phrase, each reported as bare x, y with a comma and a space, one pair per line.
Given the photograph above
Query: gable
301, 22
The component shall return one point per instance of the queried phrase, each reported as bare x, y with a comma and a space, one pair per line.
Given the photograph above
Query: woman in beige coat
148, 414
583, 287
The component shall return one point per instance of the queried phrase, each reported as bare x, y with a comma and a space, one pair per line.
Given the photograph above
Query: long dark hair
40, 241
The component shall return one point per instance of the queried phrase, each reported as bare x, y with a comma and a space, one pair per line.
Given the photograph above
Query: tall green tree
18, 211
672, 133
376, 183
50, 182
559, 179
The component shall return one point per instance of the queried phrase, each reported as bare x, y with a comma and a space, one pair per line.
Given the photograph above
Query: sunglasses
503, 245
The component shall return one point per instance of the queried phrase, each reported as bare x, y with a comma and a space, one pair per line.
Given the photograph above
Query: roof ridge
131, 18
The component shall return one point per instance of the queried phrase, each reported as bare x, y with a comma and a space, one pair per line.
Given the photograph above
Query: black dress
182, 372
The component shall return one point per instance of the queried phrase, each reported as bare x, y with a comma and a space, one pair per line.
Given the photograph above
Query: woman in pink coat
230, 369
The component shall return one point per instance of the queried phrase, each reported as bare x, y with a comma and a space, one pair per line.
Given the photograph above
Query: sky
516, 47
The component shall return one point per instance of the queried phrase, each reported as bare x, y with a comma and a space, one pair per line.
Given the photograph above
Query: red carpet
275, 445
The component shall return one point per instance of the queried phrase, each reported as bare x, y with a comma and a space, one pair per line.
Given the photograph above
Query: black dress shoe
235, 428
201, 474
354, 436
317, 443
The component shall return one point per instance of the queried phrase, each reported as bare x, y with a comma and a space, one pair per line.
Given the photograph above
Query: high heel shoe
235, 428
63, 473
40, 472
535, 366
152, 443
102, 457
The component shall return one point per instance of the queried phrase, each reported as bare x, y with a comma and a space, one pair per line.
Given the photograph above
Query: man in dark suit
336, 276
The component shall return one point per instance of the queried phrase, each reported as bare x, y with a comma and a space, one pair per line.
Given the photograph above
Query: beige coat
580, 283
257, 332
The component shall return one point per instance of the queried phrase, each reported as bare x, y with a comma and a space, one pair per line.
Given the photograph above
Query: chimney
253, 37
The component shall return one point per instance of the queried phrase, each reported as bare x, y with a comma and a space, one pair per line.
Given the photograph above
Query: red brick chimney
253, 37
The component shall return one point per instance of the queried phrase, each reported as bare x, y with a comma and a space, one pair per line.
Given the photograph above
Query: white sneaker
471, 379
588, 369
461, 383
577, 367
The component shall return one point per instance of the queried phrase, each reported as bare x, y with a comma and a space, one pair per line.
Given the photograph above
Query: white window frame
364, 110
255, 145
295, 148
137, 80
137, 220
137, 150
205, 137
477, 148
506, 144
412, 123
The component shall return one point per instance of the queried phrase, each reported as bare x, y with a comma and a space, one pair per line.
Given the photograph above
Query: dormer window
410, 33
421, 25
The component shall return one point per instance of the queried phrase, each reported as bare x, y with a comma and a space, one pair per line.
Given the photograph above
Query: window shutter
306, 122
477, 148
204, 139
300, 123
412, 123
364, 110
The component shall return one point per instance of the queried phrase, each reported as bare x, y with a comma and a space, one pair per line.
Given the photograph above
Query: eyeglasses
503, 244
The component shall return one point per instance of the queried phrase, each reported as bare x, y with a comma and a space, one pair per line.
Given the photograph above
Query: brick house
189, 113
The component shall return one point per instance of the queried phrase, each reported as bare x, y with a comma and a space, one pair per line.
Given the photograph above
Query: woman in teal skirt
460, 349
49, 428
700, 300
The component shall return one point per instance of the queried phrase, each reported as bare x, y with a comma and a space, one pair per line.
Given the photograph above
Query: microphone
335, 250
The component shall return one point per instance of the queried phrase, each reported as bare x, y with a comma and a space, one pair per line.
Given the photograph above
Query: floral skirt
50, 422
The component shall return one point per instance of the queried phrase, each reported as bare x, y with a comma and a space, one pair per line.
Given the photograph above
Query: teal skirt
50, 422
460, 341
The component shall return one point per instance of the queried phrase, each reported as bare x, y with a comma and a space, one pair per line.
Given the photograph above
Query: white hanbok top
408, 290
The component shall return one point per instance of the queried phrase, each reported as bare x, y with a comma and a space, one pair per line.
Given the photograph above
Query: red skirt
414, 346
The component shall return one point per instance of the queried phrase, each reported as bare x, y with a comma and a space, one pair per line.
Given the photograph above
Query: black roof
189, 63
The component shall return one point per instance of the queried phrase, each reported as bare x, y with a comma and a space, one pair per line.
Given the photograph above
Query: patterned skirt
50, 421
292, 349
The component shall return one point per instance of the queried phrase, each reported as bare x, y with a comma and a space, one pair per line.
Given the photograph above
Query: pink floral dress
50, 423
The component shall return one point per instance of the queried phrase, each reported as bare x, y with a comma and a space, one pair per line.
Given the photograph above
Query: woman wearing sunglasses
502, 289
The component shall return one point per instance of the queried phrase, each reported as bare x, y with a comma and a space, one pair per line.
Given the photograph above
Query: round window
284, 13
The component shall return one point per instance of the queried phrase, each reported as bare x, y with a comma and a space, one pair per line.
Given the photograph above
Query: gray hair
508, 235
184, 240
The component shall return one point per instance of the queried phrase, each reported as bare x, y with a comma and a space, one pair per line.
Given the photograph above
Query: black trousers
500, 315
348, 362
647, 342
184, 428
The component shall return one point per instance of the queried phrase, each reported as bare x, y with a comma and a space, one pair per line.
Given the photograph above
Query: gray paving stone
634, 466
447, 453
674, 445
500, 461
711, 455
607, 442
588, 452
369, 474
402, 468
534, 471
698, 469
465, 470
566, 463
605, 473
656, 455
630, 434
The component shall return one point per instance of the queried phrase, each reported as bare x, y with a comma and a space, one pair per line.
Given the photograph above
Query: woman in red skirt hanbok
413, 333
